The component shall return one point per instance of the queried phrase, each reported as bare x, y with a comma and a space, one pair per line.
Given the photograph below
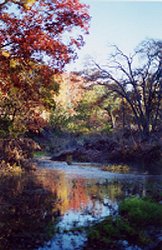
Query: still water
46, 209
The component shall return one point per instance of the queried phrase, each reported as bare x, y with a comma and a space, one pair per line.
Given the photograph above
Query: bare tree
138, 79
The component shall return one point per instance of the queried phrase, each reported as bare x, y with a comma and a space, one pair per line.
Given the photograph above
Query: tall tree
138, 79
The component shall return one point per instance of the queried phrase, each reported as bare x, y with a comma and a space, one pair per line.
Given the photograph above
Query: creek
47, 209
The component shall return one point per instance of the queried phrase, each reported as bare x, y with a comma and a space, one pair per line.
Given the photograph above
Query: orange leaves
71, 91
25, 90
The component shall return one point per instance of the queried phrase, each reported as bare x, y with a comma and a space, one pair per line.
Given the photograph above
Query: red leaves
45, 29
36, 41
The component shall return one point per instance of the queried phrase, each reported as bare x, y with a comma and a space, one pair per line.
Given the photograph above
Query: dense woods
126, 93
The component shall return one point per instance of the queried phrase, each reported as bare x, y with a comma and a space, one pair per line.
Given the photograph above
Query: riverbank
17, 154
103, 148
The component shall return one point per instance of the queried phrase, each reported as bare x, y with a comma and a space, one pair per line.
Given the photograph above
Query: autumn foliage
37, 39
42, 30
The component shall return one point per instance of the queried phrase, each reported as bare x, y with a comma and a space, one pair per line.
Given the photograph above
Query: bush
133, 223
17, 152
140, 212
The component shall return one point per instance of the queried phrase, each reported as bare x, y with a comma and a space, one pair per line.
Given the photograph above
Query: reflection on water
26, 212
38, 209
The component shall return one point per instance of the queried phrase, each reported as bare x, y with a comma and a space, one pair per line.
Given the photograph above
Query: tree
90, 113
36, 42
140, 84
41, 30
22, 103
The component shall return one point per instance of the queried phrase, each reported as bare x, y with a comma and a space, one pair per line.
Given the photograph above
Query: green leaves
141, 212
136, 215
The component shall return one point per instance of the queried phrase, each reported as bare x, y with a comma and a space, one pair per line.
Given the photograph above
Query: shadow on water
43, 210
26, 212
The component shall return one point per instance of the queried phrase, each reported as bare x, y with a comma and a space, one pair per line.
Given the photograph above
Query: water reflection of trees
31, 203
71, 194
26, 212
117, 190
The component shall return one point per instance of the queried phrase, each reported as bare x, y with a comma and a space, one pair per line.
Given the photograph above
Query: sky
123, 23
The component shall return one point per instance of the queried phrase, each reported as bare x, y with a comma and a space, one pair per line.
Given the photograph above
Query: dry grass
117, 168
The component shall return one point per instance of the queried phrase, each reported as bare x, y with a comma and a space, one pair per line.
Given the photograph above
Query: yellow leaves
28, 3
13, 63
5, 53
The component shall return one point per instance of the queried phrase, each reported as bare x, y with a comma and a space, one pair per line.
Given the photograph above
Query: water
47, 209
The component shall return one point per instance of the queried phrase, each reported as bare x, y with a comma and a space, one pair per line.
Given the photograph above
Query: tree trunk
113, 119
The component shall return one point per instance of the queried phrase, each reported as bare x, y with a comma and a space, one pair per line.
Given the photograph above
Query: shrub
135, 217
140, 212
